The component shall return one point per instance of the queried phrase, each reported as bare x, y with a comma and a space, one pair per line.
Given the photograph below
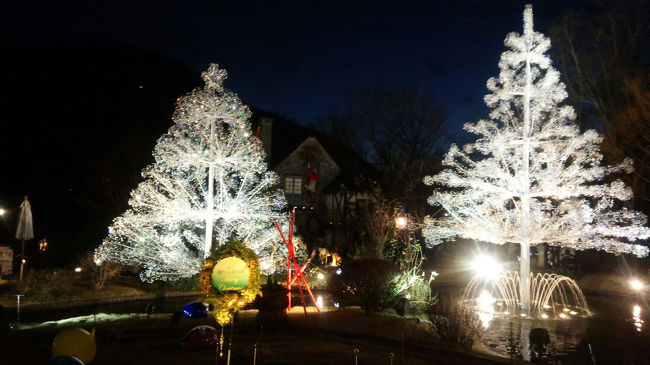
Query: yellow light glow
401, 222
544, 315
562, 315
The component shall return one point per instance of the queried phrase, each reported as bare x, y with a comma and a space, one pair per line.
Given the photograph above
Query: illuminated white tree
531, 177
209, 183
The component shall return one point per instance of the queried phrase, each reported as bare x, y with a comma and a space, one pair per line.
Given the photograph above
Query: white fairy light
532, 177
209, 184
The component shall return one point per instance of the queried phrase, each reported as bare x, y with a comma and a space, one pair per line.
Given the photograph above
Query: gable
309, 153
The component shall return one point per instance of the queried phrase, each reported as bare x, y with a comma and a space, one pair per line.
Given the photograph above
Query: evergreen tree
532, 177
209, 184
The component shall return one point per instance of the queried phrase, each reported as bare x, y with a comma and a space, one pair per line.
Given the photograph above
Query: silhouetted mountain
78, 119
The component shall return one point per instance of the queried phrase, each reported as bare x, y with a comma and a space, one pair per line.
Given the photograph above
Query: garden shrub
365, 282
272, 303
453, 322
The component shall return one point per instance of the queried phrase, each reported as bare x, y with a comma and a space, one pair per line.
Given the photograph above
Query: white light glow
319, 302
336, 304
636, 311
544, 316
636, 284
485, 306
563, 316
486, 267
77, 269
320, 276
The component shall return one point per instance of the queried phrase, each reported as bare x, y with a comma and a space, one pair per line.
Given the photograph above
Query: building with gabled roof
318, 174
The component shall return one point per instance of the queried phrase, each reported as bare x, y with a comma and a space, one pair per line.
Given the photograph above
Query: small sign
230, 275
6, 260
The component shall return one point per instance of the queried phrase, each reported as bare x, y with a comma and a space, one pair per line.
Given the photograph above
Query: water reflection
485, 308
605, 338
564, 335
636, 317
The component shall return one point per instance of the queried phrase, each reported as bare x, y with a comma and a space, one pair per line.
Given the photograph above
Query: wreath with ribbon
227, 303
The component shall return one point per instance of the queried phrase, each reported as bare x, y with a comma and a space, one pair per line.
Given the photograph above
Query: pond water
160, 305
616, 333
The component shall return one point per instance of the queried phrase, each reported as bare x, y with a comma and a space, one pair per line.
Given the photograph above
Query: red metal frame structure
292, 262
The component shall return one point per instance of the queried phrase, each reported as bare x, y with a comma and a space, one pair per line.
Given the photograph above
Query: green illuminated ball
230, 275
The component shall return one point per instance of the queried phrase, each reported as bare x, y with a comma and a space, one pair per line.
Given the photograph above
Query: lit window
293, 185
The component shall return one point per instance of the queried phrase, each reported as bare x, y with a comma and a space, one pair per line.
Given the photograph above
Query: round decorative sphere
64, 360
75, 342
195, 310
201, 338
208, 263
230, 275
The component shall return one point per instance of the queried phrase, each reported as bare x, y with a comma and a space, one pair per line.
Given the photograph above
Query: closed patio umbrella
25, 230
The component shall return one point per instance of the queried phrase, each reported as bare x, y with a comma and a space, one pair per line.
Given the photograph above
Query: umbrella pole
22, 261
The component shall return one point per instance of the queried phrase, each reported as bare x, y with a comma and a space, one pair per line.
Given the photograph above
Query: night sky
80, 78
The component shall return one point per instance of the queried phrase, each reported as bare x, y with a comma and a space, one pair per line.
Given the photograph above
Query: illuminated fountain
551, 295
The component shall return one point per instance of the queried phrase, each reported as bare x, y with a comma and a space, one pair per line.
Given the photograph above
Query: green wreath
226, 304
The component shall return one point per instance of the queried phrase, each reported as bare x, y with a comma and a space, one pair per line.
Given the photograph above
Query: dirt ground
326, 338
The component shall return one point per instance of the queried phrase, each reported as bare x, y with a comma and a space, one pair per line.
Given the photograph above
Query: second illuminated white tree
209, 183
532, 177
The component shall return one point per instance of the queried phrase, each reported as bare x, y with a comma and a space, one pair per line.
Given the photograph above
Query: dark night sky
294, 58
299, 58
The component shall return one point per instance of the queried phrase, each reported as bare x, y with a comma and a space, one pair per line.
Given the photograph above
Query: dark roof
287, 135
